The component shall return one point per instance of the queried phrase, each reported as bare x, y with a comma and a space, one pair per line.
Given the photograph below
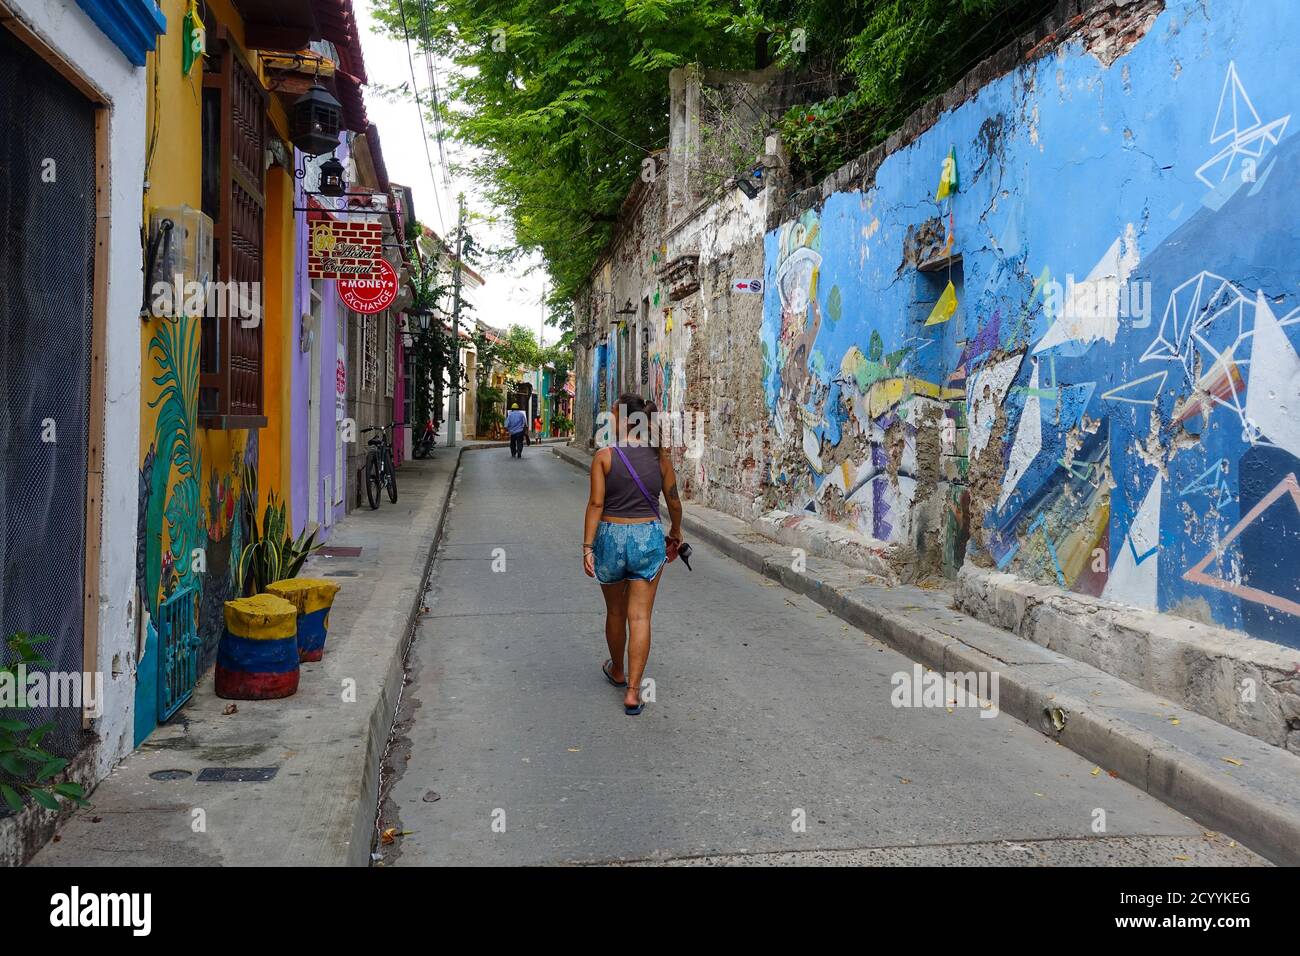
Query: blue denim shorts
625, 551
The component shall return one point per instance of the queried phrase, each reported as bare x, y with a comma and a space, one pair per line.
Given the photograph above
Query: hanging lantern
332, 182
314, 121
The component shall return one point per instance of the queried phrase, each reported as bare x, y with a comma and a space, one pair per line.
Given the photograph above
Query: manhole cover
236, 774
340, 551
170, 774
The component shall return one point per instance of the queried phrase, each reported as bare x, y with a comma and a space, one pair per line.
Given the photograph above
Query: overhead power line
419, 108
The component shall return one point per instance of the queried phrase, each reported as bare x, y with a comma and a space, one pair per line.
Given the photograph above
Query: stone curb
1101, 717
1201, 666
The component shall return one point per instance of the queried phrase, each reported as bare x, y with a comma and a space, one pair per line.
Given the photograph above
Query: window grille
233, 172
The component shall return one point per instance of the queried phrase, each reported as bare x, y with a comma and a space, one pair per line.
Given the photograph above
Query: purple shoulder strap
654, 505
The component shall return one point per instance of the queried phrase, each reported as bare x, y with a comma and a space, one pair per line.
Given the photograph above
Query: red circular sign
374, 293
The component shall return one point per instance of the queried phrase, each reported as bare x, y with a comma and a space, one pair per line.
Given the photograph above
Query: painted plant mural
169, 485
183, 540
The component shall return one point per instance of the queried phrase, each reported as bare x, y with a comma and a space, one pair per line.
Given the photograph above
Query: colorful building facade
237, 409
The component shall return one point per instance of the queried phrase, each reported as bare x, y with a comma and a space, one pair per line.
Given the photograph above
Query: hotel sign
344, 250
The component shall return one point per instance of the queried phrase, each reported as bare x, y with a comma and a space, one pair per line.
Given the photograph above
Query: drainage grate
170, 774
340, 551
236, 774
338, 574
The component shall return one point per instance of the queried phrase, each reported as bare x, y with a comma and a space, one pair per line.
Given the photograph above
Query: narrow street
971, 329
765, 705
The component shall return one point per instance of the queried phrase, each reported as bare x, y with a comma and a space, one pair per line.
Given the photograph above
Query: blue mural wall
1113, 405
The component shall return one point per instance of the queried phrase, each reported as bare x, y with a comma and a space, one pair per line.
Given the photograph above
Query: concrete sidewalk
1224, 779
325, 743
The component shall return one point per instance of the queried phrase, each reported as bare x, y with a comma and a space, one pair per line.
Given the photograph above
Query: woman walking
624, 546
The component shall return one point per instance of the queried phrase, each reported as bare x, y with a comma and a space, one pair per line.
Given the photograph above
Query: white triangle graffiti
1245, 136
987, 391
1028, 443
1273, 391
1142, 391
1239, 108
1090, 310
1134, 572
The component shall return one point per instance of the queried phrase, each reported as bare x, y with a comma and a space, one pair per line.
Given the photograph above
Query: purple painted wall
332, 314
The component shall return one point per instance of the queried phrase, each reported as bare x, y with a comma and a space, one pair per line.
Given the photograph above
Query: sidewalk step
325, 743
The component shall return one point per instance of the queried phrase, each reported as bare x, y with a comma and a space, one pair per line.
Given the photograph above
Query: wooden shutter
234, 129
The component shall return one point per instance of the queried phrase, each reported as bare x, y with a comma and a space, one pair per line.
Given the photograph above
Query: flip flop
605, 669
633, 711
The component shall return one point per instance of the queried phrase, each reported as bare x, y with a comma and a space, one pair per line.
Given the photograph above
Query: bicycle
380, 472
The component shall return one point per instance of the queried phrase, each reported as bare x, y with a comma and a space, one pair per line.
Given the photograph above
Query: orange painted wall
275, 457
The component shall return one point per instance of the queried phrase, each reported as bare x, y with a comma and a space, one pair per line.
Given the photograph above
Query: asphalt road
510, 747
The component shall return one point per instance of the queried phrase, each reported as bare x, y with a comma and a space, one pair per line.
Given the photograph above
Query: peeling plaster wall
1113, 406
685, 238
720, 404
625, 346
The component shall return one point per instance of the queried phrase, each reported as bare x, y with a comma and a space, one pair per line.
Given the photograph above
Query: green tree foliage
521, 351
518, 352
879, 60
563, 100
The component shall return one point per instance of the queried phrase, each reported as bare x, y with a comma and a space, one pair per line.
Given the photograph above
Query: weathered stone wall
621, 305
1094, 411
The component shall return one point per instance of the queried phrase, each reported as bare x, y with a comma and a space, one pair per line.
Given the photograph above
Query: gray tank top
623, 499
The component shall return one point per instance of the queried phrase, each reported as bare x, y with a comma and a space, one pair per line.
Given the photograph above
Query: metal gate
178, 641
47, 257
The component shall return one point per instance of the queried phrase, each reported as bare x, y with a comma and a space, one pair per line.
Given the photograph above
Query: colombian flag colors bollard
313, 599
258, 655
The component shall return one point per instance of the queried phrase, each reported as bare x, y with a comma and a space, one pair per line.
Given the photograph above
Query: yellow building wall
192, 478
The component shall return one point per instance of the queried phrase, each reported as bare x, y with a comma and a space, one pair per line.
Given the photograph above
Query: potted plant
272, 553
26, 767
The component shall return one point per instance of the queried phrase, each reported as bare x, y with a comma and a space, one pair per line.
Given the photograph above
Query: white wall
69, 32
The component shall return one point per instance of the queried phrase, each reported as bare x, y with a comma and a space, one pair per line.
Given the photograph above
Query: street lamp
332, 181
423, 320
314, 121
751, 183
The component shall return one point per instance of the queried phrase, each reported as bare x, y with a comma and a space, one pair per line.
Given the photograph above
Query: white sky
506, 298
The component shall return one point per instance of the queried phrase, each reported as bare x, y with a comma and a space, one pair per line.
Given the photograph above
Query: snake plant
272, 554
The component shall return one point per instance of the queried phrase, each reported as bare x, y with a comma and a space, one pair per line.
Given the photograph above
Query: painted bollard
257, 658
313, 598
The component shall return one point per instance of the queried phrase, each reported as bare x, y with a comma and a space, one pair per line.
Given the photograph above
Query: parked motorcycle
426, 440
